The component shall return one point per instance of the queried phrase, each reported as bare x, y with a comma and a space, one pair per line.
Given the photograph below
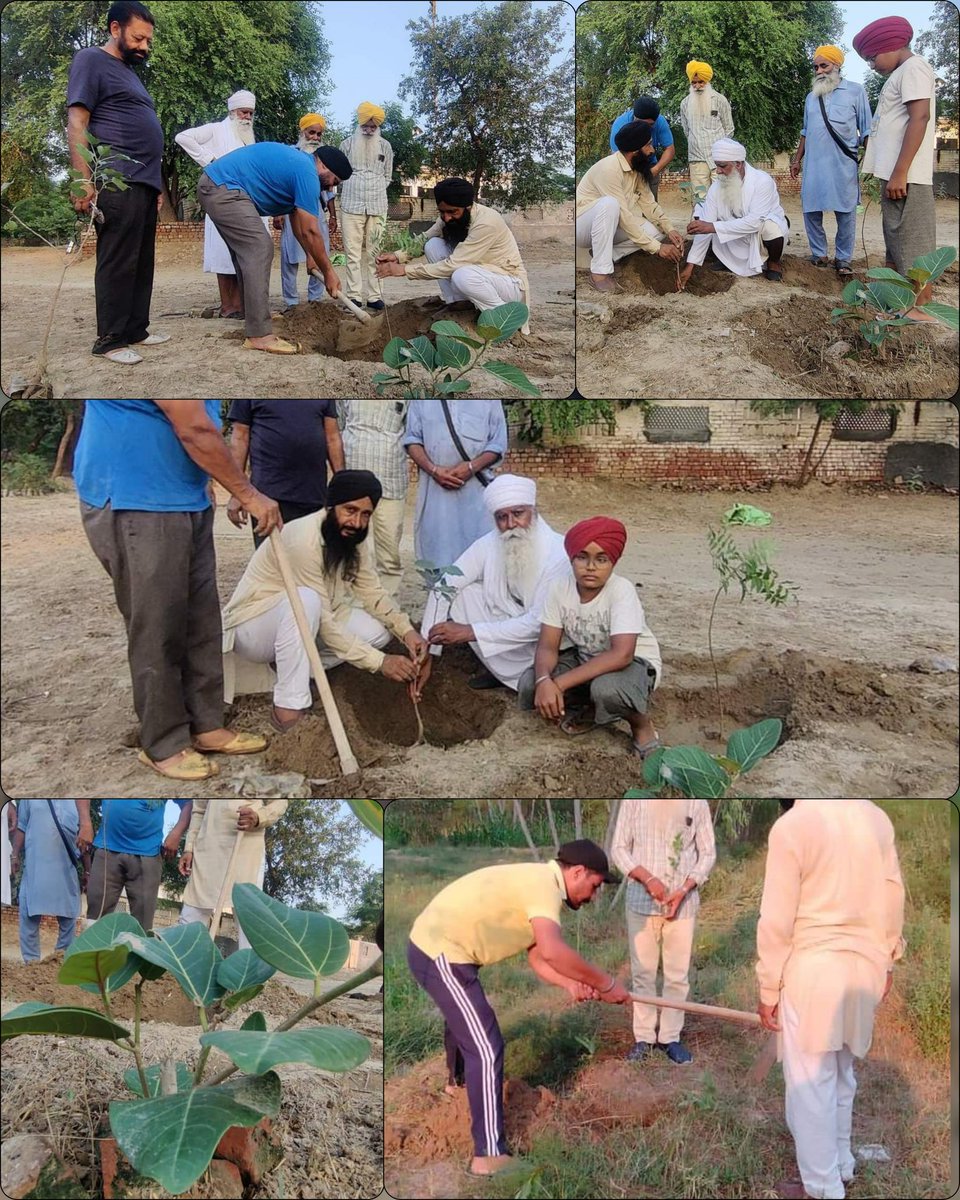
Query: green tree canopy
491, 104
760, 52
410, 151
940, 46
366, 912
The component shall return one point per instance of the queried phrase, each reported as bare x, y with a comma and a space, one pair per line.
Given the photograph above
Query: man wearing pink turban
612, 660
901, 149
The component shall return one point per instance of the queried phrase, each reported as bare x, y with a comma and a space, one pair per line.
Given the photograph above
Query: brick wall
744, 448
191, 233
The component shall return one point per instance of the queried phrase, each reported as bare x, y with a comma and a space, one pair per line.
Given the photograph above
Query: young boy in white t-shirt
614, 654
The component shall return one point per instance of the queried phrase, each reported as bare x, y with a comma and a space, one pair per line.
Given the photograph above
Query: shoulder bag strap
480, 476
66, 841
833, 133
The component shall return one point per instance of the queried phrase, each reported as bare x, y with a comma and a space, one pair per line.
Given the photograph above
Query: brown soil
611, 1092
910, 366
648, 273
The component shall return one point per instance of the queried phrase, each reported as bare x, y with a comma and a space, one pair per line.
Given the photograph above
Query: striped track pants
471, 1027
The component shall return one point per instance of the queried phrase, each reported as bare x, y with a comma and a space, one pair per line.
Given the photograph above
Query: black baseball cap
584, 853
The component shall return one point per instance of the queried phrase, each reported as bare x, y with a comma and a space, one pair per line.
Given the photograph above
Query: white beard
731, 196
823, 85
701, 102
243, 130
306, 145
521, 563
364, 153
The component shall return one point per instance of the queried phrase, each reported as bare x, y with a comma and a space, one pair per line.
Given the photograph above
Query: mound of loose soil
611, 1093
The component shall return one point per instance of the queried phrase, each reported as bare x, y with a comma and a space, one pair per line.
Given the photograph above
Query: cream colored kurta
831, 919
211, 836
613, 176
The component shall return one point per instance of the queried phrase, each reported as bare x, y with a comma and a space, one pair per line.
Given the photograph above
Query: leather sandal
280, 346
240, 743
192, 767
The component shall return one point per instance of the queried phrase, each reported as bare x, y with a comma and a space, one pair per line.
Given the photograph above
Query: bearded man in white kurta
741, 217
506, 575
209, 846
831, 925
205, 144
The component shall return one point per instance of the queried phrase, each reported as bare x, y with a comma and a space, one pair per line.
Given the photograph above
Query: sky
370, 851
370, 48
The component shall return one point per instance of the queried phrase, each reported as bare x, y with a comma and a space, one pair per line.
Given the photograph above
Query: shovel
347, 303
355, 337
227, 944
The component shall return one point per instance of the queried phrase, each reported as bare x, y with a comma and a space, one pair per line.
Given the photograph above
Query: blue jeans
30, 935
289, 266
846, 234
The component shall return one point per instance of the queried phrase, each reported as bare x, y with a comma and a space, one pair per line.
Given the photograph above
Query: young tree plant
171, 1130
434, 580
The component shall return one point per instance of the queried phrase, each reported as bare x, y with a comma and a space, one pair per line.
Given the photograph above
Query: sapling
690, 771
171, 1131
434, 580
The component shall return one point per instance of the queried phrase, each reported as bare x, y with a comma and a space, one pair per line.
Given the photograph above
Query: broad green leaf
189, 954
238, 999
303, 944
889, 296
651, 766
887, 273
943, 312
34, 1018
172, 1138
85, 153
243, 970
836, 313
732, 768
421, 351
506, 319
256, 1021
452, 386
693, 772
369, 813
131, 1077
120, 184
330, 1048
851, 291
93, 967
512, 375
450, 328
489, 333
103, 934
919, 274
451, 352
937, 261
748, 746
391, 352
641, 793
386, 377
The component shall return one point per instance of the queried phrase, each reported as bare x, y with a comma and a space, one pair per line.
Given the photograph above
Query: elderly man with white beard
506, 576
705, 116
205, 144
292, 253
363, 203
741, 211
836, 120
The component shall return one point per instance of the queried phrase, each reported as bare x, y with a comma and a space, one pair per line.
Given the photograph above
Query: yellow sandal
192, 767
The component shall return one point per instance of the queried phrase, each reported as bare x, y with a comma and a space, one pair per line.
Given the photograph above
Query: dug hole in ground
329, 1129
876, 571
727, 337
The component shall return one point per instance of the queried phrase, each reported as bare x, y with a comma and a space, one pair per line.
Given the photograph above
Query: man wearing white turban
205, 144
506, 575
742, 211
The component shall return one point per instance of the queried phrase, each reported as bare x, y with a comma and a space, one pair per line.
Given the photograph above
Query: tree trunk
553, 826
611, 826
518, 816
577, 820
64, 443
813, 441
813, 473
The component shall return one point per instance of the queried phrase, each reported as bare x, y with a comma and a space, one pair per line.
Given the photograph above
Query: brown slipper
603, 283
286, 726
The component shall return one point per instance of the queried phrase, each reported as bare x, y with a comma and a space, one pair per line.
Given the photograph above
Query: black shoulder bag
833, 133
480, 476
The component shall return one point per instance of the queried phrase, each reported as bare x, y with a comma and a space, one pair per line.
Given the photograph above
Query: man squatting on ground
506, 575
483, 918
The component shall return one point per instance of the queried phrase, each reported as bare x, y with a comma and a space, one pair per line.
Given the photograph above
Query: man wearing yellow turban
836, 120
292, 254
706, 117
363, 203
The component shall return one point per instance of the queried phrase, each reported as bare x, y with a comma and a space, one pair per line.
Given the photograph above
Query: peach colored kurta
211, 837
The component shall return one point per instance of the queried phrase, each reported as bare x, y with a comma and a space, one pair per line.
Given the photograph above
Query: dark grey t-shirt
121, 112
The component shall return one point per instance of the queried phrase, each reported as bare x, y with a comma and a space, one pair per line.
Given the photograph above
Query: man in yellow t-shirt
482, 918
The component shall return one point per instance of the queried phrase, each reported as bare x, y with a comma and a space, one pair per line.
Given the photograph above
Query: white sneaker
154, 339
123, 355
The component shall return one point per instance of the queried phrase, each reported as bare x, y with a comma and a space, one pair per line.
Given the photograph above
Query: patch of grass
547, 1049
927, 982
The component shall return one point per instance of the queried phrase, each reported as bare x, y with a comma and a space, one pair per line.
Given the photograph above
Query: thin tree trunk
518, 815
553, 826
813, 473
713, 658
813, 441
577, 820
611, 826
64, 443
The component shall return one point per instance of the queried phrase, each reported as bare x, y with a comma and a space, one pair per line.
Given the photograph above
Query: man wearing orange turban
614, 661
705, 116
363, 203
902, 146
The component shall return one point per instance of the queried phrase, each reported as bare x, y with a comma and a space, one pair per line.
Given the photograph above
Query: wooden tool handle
348, 764
226, 886
738, 1016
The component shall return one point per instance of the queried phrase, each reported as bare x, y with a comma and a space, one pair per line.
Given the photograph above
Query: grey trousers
250, 246
163, 568
113, 871
910, 225
615, 696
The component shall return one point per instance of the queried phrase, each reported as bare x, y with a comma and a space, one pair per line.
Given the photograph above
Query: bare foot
214, 739
174, 760
452, 1090
490, 1164
916, 314
264, 343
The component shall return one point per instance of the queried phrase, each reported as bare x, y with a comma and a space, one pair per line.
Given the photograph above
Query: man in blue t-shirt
270, 180
287, 443
106, 98
645, 108
142, 470
128, 848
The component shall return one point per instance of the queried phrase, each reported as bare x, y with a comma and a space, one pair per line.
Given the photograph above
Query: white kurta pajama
507, 628
831, 922
205, 145
736, 241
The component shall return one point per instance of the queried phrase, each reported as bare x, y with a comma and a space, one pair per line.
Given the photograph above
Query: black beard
641, 164
339, 552
786, 805
456, 229
133, 58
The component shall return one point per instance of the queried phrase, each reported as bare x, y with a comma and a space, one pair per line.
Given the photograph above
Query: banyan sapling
434, 580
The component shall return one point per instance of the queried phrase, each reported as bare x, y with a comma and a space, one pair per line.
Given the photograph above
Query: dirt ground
877, 573
331, 1125
749, 338
206, 357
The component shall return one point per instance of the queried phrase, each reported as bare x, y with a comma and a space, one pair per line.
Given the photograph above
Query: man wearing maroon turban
612, 660
900, 152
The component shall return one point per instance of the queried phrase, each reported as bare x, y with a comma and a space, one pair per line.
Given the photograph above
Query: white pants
386, 526
189, 913
274, 637
484, 289
819, 1101
599, 228
362, 235
648, 935
507, 664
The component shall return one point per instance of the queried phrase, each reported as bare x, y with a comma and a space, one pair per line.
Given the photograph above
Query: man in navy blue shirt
288, 444
106, 98
142, 470
270, 180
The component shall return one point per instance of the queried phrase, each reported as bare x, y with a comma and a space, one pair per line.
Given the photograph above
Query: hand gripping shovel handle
347, 303
348, 764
